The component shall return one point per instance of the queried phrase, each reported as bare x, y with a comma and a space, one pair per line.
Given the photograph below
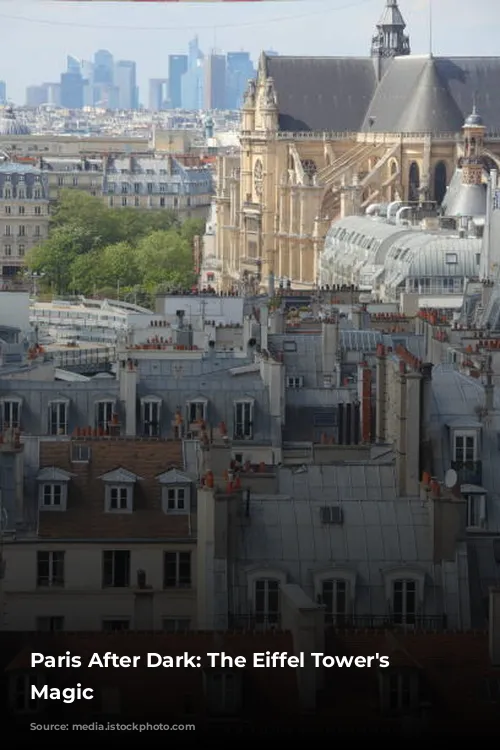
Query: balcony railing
385, 622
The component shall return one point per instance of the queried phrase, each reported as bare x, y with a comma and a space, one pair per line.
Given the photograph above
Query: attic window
451, 258
80, 453
331, 514
295, 382
224, 692
119, 498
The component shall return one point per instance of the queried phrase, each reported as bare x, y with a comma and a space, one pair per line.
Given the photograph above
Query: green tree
166, 258
118, 265
54, 257
76, 208
85, 272
191, 228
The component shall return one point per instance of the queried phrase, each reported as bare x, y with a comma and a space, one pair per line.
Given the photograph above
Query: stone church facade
324, 138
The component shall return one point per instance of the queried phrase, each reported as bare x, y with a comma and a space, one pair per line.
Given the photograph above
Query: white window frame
8, 405
176, 494
51, 495
200, 405
178, 583
120, 495
336, 574
52, 578
109, 408
30, 706
265, 618
113, 552
246, 420
464, 435
62, 409
409, 588
80, 454
476, 510
149, 408
412, 574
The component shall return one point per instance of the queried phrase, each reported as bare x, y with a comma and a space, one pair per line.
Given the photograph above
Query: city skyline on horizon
225, 29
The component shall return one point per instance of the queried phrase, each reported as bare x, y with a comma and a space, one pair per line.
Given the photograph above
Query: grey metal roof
455, 399
464, 200
322, 93
416, 94
391, 15
423, 94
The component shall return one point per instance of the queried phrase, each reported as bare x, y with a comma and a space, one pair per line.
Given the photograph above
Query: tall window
334, 599
196, 411
104, 414
243, 425
116, 569
465, 448
11, 413
58, 418
400, 693
50, 569
177, 570
404, 602
267, 601
151, 418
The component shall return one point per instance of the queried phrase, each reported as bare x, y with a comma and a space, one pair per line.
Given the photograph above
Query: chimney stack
381, 395
489, 388
494, 627
365, 397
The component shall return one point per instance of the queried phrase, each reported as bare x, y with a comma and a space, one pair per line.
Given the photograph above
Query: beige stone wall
274, 217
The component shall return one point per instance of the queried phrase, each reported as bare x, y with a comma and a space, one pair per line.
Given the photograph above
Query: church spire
390, 39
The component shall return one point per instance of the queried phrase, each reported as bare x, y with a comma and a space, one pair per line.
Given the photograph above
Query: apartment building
24, 212
105, 536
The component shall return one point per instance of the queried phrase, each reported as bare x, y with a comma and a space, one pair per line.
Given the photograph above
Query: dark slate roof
416, 94
322, 93
423, 94
392, 16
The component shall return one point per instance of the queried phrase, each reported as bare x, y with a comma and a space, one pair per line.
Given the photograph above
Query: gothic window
414, 182
258, 177
440, 182
309, 167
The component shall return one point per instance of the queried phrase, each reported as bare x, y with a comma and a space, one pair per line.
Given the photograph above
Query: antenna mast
430, 28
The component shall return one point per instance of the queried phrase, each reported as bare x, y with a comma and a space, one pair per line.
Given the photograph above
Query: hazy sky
37, 35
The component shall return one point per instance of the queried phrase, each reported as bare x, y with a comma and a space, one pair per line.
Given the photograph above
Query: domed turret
474, 120
9, 125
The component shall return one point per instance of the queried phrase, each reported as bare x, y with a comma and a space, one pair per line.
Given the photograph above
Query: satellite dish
450, 479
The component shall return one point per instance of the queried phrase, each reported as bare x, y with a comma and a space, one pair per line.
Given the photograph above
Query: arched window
440, 182
414, 182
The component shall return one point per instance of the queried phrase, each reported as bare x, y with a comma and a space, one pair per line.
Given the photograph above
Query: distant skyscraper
3, 92
53, 93
193, 79
158, 94
125, 82
103, 67
239, 71
215, 82
36, 96
73, 64
72, 90
177, 67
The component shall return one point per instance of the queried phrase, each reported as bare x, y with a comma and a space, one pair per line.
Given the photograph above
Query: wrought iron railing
386, 622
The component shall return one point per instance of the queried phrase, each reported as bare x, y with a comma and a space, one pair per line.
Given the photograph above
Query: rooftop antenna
430, 28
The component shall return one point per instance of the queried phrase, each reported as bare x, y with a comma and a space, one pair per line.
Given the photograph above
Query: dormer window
243, 419
196, 411
104, 411
405, 588
150, 408
119, 490
10, 413
224, 692
175, 492
465, 447
53, 489
58, 417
